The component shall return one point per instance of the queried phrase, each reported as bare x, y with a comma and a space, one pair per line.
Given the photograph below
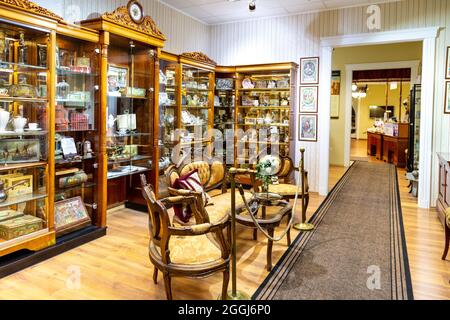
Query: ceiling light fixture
252, 5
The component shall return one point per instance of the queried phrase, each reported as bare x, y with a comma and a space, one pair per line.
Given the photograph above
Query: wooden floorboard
117, 265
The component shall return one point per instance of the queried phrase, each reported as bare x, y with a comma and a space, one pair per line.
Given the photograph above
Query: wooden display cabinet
225, 110
197, 105
266, 101
27, 43
78, 123
129, 86
169, 114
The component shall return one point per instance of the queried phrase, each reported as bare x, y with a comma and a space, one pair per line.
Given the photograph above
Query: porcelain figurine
19, 124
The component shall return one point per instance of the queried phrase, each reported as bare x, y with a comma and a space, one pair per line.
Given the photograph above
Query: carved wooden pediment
121, 17
199, 56
31, 8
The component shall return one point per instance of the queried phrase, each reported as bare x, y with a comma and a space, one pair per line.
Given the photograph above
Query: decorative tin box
17, 227
22, 189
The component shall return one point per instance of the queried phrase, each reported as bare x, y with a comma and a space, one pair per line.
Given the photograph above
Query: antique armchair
212, 177
196, 251
447, 234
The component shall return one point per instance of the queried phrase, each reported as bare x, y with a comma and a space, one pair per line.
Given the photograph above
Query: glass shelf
10, 66
20, 99
65, 72
115, 175
23, 134
130, 159
11, 201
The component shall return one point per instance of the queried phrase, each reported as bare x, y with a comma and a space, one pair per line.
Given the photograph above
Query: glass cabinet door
168, 118
23, 132
76, 131
195, 106
130, 117
264, 114
224, 112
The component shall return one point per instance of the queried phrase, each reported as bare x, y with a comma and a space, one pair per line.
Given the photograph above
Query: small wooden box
17, 227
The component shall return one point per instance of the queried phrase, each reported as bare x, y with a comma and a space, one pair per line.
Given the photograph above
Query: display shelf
65, 72
87, 185
195, 107
266, 108
11, 201
11, 67
266, 90
74, 161
130, 159
10, 167
24, 100
269, 105
114, 175
127, 97
23, 134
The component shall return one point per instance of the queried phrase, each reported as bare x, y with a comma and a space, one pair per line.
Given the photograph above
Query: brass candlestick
234, 294
304, 225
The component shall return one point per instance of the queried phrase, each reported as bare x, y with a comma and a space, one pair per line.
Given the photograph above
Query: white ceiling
222, 11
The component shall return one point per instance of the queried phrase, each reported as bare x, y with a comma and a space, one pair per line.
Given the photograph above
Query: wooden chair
213, 178
192, 251
447, 234
287, 188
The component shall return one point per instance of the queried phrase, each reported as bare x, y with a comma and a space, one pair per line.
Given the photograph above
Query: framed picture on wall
309, 99
447, 97
335, 94
309, 70
447, 64
307, 127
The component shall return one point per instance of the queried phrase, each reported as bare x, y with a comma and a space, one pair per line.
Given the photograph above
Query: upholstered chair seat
220, 208
285, 190
192, 250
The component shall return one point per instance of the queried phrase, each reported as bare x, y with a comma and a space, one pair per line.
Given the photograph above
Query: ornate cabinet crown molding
121, 17
199, 56
31, 8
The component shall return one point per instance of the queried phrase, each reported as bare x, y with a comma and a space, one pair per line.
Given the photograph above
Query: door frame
349, 68
428, 37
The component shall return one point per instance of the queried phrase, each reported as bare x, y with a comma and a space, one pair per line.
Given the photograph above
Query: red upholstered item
190, 181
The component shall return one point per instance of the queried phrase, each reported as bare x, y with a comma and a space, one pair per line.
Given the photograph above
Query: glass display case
129, 83
414, 128
266, 97
24, 133
196, 106
77, 147
130, 100
169, 115
224, 110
